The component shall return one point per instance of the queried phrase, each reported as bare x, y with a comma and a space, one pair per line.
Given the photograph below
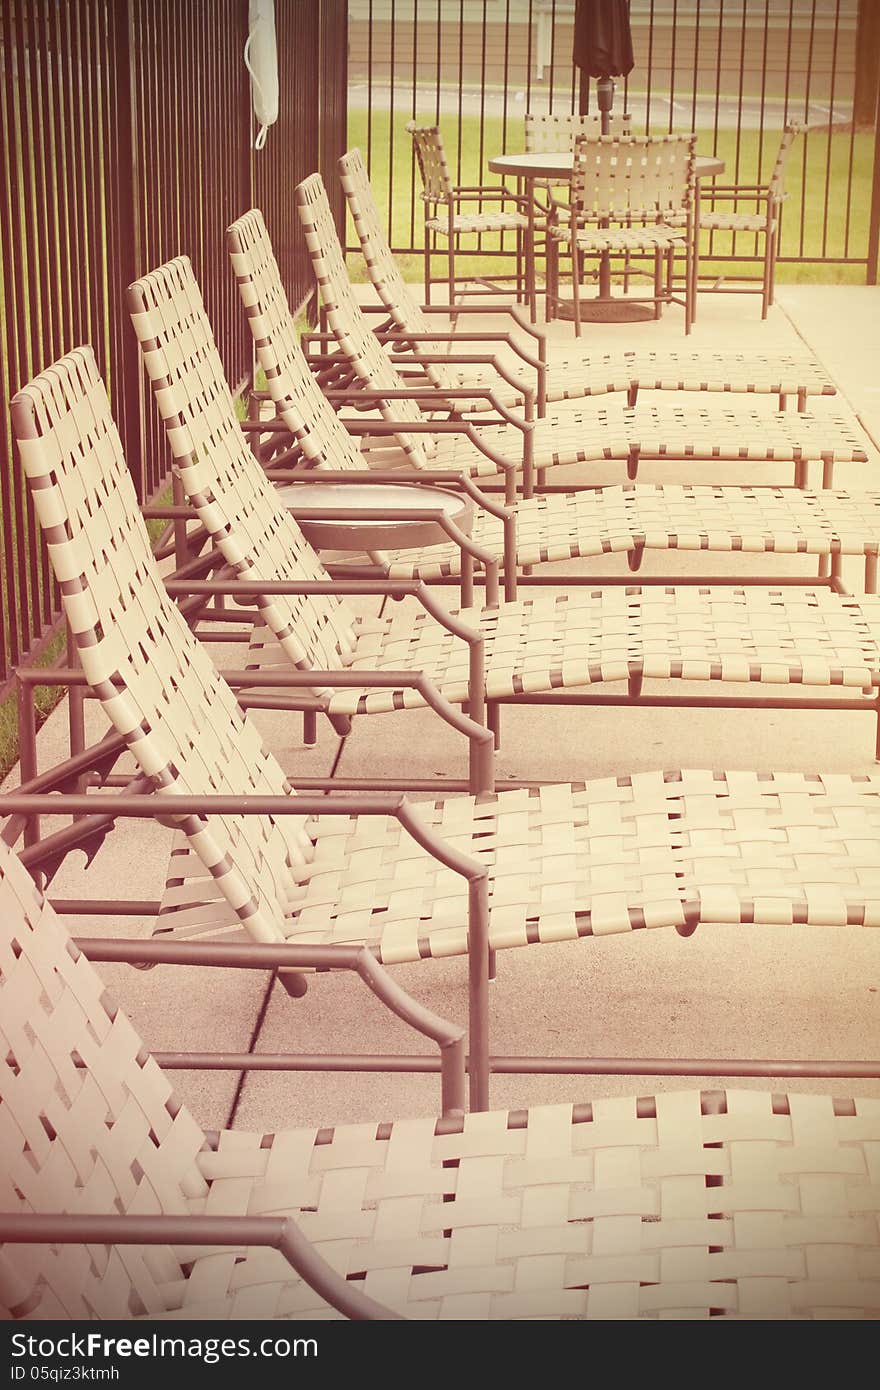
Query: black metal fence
733, 70
126, 138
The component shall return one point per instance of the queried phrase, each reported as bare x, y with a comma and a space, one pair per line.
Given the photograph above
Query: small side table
392, 516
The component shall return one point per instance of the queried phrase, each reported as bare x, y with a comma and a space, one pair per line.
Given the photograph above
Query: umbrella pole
605, 100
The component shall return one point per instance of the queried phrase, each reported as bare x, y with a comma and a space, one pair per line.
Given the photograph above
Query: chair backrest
156, 682
384, 272
354, 336
556, 133
105, 1136
790, 132
431, 156
290, 381
633, 176
237, 504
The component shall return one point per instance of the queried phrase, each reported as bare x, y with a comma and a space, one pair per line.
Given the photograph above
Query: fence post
332, 101
125, 372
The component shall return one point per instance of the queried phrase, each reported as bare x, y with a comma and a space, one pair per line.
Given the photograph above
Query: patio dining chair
630, 196
603, 429
443, 201
524, 650
551, 526
460, 875
754, 210
563, 371
116, 1205
554, 131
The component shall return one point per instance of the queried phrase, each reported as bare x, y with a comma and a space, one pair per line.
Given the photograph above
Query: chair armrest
279, 1233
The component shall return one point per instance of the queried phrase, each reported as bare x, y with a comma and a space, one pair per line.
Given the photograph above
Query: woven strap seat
550, 641
612, 855
608, 429
573, 372
587, 523
651, 237
730, 1204
734, 221
478, 222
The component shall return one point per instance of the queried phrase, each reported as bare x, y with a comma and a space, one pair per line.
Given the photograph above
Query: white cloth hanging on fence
261, 61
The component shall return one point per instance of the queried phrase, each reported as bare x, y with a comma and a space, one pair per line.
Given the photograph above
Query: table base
605, 311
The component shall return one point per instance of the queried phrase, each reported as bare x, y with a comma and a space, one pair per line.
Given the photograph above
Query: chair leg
530, 263
520, 268
695, 271
427, 266
766, 290
659, 258
576, 288
772, 272
551, 278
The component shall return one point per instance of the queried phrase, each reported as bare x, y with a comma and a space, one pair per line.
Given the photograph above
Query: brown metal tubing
517, 1065
402, 587
275, 1232
94, 907
27, 739
254, 955
75, 717
460, 425
398, 333
378, 804
790, 581
481, 750
481, 759
433, 397
472, 358
72, 767
569, 697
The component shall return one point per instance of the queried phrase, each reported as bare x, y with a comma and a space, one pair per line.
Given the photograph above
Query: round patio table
556, 166
553, 165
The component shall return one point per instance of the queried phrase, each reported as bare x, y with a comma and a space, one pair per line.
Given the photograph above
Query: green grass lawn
811, 233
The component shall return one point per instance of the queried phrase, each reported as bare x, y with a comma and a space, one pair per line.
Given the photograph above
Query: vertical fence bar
124, 140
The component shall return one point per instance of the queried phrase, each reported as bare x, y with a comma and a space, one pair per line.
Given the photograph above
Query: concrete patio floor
745, 991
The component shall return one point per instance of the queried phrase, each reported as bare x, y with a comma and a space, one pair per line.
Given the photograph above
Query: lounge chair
527, 650
116, 1205
455, 210
551, 526
602, 429
564, 371
546, 864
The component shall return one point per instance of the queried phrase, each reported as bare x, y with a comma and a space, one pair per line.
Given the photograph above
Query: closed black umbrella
602, 48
